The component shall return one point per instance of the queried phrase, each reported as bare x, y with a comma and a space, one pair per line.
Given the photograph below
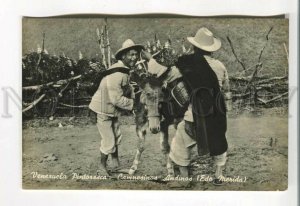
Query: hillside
71, 35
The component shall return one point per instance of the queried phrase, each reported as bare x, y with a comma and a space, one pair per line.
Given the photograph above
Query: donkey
157, 110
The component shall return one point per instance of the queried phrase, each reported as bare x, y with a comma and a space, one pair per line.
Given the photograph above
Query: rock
51, 118
60, 125
48, 157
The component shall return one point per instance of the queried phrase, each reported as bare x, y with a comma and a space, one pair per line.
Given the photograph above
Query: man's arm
226, 90
226, 84
156, 68
153, 67
115, 92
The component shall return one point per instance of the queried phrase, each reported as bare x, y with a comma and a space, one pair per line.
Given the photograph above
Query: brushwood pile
62, 86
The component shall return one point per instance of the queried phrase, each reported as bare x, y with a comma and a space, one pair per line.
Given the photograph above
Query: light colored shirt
219, 69
110, 94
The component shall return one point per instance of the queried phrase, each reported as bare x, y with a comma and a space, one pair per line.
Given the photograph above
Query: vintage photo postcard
155, 102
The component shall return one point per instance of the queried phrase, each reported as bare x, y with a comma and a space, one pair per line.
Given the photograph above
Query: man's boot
184, 172
218, 174
103, 164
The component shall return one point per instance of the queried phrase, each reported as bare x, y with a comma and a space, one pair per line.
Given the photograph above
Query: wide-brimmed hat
205, 40
128, 44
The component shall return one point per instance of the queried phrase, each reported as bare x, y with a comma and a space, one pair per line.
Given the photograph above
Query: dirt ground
257, 155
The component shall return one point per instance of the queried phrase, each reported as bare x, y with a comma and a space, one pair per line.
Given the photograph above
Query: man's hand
146, 55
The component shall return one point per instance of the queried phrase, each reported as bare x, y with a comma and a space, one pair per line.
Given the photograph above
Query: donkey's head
151, 97
151, 86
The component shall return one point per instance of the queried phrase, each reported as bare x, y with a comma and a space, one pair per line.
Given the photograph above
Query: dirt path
257, 154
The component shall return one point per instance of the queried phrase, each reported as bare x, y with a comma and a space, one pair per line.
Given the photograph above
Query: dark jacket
208, 103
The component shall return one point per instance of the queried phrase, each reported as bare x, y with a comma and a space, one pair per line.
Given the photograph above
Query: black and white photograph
155, 102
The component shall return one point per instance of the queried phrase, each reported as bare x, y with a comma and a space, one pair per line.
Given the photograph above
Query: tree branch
233, 51
35, 102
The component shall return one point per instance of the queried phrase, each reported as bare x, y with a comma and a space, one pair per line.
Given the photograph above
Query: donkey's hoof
132, 170
171, 173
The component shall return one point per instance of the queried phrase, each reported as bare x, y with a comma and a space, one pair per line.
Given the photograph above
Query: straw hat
205, 40
128, 44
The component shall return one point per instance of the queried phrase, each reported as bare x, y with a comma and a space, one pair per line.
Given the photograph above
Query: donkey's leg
141, 133
165, 147
164, 137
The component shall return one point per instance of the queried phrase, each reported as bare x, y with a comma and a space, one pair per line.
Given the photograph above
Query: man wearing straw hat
205, 122
111, 96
